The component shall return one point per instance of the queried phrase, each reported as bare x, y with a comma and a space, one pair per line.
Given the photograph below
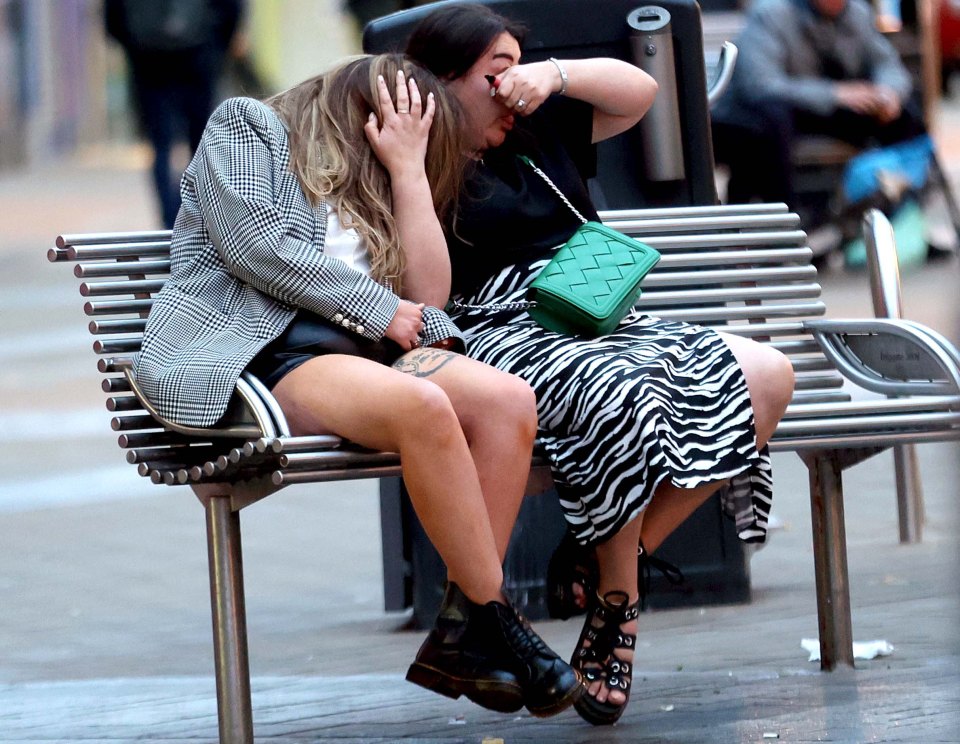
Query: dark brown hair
452, 38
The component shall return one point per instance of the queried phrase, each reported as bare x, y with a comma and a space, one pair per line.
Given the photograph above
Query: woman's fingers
411, 93
384, 99
403, 94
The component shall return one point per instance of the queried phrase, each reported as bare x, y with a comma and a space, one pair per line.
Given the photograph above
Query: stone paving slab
872, 704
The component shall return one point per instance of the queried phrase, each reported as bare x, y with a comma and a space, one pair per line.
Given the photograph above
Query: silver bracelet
564, 80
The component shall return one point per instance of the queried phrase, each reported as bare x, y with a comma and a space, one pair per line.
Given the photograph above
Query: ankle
481, 593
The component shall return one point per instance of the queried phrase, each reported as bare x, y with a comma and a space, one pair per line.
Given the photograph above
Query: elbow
646, 94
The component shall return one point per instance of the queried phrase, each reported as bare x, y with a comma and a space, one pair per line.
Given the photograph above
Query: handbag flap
598, 269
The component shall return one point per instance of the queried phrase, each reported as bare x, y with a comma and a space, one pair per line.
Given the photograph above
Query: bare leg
498, 414
770, 380
378, 407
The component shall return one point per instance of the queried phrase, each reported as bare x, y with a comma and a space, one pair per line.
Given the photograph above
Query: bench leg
830, 560
234, 707
909, 493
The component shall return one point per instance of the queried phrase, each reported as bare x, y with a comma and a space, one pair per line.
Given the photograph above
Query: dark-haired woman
641, 426
308, 250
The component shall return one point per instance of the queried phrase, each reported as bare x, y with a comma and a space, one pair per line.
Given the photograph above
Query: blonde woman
309, 250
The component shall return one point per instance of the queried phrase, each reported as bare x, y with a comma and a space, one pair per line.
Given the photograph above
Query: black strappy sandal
571, 565
603, 631
646, 563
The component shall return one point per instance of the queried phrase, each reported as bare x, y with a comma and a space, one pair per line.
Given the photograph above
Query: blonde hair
334, 162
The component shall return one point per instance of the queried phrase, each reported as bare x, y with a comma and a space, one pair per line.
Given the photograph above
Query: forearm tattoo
424, 362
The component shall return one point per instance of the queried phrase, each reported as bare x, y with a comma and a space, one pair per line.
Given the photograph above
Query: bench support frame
826, 468
225, 559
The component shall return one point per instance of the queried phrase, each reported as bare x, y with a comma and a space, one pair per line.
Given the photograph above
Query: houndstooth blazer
247, 252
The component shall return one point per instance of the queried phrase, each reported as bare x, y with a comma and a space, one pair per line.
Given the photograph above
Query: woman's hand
524, 88
619, 92
399, 139
406, 326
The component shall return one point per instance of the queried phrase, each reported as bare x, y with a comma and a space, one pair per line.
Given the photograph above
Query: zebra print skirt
655, 401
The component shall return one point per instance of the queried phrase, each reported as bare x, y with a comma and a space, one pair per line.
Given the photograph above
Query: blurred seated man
808, 67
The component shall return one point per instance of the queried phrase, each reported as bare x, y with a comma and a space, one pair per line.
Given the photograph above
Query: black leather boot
490, 654
449, 661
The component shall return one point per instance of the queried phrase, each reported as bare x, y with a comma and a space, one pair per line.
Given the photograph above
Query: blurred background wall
63, 84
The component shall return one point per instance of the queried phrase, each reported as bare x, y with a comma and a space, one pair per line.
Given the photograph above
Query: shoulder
248, 112
859, 15
772, 11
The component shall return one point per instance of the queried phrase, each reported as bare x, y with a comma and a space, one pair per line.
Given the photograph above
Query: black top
508, 214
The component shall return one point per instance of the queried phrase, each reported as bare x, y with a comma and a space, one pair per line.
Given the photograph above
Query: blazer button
359, 329
338, 317
346, 322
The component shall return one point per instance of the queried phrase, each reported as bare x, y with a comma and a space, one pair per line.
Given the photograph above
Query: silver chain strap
553, 186
503, 307
495, 307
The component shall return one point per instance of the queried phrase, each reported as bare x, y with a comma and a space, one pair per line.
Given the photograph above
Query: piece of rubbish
770, 735
666, 708
457, 721
861, 649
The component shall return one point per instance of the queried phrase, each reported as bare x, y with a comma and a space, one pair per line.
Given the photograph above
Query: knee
427, 412
518, 404
773, 378
507, 410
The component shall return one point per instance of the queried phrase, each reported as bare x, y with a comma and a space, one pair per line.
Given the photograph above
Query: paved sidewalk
104, 622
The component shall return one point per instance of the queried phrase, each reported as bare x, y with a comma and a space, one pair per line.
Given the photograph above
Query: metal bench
862, 387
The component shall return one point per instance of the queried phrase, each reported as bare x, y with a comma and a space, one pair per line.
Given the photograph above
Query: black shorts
310, 335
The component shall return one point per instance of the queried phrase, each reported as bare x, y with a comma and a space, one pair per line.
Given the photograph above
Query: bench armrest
248, 416
891, 357
724, 73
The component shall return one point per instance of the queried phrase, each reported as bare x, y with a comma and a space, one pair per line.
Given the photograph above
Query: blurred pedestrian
808, 67
175, 50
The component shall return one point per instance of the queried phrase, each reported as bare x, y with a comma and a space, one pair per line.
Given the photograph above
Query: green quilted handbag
591, 282
593, 279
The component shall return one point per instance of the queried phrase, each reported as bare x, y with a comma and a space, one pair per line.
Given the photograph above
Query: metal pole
830, 560
884, 267
234, 706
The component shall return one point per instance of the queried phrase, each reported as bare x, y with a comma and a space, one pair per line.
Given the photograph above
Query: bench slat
117, 252
117, 307
120, 268
131, 286
722, 240
759, 312
103, 327
734, 275
719, 297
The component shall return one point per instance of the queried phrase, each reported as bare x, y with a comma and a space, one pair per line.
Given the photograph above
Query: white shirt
346, 244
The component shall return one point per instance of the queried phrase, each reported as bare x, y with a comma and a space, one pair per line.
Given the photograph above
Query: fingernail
380, 79
430, 94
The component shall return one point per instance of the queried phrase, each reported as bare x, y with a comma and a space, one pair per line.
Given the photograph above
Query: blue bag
909, 160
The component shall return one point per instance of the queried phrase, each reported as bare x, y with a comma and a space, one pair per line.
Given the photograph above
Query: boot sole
573, 696
502, 697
